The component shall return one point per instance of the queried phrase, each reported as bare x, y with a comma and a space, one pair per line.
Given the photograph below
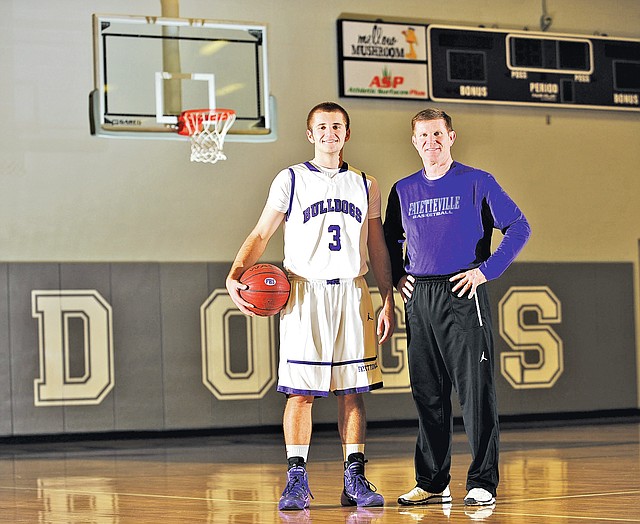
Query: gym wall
113, 252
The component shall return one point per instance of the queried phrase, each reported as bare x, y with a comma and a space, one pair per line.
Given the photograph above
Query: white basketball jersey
325, 232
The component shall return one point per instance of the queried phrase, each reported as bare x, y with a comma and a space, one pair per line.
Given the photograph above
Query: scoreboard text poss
521, 67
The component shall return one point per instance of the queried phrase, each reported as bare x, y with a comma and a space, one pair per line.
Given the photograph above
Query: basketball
268, 289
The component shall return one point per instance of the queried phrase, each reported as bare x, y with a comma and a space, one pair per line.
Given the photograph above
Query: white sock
295, 450
347, 449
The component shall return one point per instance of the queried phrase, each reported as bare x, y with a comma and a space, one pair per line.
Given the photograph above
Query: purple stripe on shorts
309, 362
358, 361
364, 389
306, 392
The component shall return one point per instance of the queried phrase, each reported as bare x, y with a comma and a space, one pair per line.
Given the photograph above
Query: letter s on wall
522, 338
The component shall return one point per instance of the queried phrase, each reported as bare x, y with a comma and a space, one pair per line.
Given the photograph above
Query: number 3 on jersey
335, 245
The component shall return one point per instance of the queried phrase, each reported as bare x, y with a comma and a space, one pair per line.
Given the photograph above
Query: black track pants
451, 345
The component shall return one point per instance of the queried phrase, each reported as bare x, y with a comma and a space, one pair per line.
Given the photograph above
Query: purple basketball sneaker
296, 493
358, 491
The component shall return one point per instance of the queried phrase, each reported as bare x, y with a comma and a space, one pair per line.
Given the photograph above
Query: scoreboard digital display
479, 65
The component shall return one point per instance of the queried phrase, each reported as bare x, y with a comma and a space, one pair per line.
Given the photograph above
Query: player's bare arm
381, 265
250, 252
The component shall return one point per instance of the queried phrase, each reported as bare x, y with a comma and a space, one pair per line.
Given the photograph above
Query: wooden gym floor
565, 474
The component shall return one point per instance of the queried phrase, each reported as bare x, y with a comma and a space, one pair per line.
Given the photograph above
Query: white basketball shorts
328, 339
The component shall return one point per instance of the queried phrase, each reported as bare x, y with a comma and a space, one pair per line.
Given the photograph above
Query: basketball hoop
206, 129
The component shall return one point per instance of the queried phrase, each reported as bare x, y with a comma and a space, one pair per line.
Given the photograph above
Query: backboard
147, 70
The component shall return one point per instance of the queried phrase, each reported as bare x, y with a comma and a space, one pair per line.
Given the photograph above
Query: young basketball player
445, 214
331, 217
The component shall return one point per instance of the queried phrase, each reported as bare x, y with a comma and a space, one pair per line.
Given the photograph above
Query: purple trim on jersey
343, 167
366, 187
311, 167
293, 188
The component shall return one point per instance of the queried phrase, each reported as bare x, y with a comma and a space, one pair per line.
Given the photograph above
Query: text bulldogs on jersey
332, 205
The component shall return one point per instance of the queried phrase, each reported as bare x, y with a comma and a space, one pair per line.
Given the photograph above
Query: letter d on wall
73, 327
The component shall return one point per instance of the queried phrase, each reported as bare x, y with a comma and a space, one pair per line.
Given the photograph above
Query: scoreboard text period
527, 68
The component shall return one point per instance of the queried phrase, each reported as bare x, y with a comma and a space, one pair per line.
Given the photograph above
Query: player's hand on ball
234, 287
266, 287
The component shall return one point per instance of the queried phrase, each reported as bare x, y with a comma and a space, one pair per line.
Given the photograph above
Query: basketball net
206, 129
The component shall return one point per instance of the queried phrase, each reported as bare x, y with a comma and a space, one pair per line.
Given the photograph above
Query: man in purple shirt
438, 228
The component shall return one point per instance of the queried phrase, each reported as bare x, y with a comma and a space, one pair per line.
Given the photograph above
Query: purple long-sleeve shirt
447, 224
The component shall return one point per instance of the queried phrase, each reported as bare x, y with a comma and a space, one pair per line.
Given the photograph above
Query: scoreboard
527, 68
478, 65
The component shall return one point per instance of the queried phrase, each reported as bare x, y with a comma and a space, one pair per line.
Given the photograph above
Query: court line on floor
140, 495
498, 511
598, 518
560, 497
459, 509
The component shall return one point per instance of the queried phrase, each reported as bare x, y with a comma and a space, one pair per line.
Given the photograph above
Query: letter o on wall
218, 343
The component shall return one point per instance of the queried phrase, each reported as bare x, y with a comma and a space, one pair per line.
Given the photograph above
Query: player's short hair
431, 113
328, 107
